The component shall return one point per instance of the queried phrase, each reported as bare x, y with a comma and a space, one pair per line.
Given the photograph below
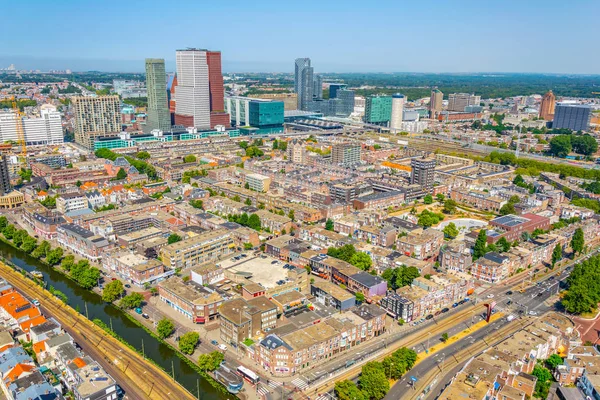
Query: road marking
262, 390
275, 384
299, 383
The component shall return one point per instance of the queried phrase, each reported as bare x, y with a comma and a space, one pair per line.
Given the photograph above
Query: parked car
454, 305
445, 309
429, 316
509, 292
138, 310
490, 296
35, 302
274, 262
128, 286
222, 346
532, 313
214, 342
145, 316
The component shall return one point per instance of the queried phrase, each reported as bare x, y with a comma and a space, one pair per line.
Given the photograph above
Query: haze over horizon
351, 36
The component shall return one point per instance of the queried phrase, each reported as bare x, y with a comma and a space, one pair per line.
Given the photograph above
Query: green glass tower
378, 110
156, 86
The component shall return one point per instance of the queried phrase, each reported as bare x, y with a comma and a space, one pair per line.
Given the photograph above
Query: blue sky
339, 36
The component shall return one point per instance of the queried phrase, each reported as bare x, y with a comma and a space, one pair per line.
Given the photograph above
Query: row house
456, 256
492, 268
274, 222
477, 199
322, 237
141, 208
421, 244
379, 236
43, 221
83, 242
380, 201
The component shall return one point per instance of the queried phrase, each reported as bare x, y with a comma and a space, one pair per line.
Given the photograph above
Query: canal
125, 328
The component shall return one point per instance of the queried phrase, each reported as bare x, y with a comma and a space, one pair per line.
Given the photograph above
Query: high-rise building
5, 186
572, 116
423, 171
303, 82
199, 96
95, 117
378, 110
458, 101
158, 116
265, 115
334, 87
345, 153
290, 100
435, 103
397, 111
547, 106
346, 106
43, 130
318, 87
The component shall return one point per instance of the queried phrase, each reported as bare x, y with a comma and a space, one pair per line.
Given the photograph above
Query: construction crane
19, 126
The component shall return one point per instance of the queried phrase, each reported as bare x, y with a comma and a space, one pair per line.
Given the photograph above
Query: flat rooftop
262, 270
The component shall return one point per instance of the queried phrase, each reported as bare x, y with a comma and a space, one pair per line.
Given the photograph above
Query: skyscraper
95, 117
158, 111
397, 111
347, 102
345, 153
378, 110
303, 82
435, 103
423, 171
5, 186
572, 116
43, 130
318, 87
334, 87
199, 96
547, 106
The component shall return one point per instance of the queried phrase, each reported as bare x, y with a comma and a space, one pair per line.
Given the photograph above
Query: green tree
188, 342
449, 206
361, 260
132, 300
291, 215
329, 224
112, 291
254, 222
503, 244
165, 328
248, 246
173, 238
3, 222
557, 254
89, 278
554, 361
29, 244
444, 337
577, 241
373, 382
248, 202
508, 208
428, 199
275, 144
544, 381
479, 249
246, 185
584, 144
450, 230
9, 232
41, 250
440, 197
560, 146
347, 390
122, 174
190, 158
343, 253
360, 298
54, 256
142, 155
197, 204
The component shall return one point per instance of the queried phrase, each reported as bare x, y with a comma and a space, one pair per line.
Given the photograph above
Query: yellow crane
19, 126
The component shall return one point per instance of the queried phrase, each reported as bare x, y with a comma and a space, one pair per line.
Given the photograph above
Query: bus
248, 375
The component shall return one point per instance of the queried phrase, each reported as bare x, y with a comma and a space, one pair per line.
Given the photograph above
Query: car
113, 279
138, 310
509, 302
532, 313
214, 342
145, 316
445, 309
101, 286
437, 313
490, 296
551, 278
128, 286
244, 255
274, 262
540, 294
263, 256
509, 292
429, 316
454, 305
35, 302
222, 346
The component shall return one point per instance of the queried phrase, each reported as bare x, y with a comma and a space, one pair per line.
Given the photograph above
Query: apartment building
398, 307
477, 199
512, 227
95, 117
206, 247
492, 268
193, 300
274, 222
421, 244
258, 183
43, 221
135, 268
331, 295
83, 242
456, 256
70, 202
242, 319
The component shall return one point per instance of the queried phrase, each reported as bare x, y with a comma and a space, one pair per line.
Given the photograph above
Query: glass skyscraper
303, 82
156, 85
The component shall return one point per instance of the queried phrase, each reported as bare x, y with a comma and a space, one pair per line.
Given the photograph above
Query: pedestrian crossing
323, 397
275, 384
300, 383
261, 390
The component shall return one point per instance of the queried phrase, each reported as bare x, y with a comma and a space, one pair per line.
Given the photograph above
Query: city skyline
470, 37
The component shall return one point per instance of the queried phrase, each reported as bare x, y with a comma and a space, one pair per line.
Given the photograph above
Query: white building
43, 130
192, 97
397, 111
239, 110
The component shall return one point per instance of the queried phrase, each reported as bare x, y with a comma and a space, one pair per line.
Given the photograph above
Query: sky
339, 36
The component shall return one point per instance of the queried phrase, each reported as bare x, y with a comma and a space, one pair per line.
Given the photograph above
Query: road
139, 378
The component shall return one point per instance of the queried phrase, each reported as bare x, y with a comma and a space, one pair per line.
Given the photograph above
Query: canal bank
92, 305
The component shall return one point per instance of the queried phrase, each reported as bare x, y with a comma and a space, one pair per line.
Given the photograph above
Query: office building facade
346, 106
318, 87
95, 117
547, 106
435, 103
244, 112
423, 170
158, 116
334, 87
43, 130
345, 154
397, 111
5, 186
572, 116
457, 102
303, 82
378, 110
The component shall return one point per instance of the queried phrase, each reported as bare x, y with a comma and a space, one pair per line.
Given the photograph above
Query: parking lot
266, 271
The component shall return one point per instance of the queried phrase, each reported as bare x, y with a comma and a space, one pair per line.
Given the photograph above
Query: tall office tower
435, 103
5, 186
423, 171
572, 116
318, 87
303, 83
378, 110
397, 111
199, 97
345, 153
218, 116
334, 87
43, 130
346, 106
547, 106
158, 116
95, 117
458, 101
171, 86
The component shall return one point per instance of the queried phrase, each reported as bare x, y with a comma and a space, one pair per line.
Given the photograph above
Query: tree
132, 300
89, 278
275, 144
236, 198
246, 185
248, 201
444, 337
507, 209
210, 361
165, 328
560, 146
578, 241
122, 174
360, 298
347, 390
53, 256
449, 206
503, 244
248, 246
329, 224
428, 199
440, 197
188, 342
479, 249
557, 254
197, 204
254, 222
584, 144
361, 260
29, 244
42, 250
9, 231
173, 238
291, 215
142, 155
518, 180
450, 230
112, 291
400, 277
544, 381
343, 253
554, 361
373, 382
190, 158
3, 222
